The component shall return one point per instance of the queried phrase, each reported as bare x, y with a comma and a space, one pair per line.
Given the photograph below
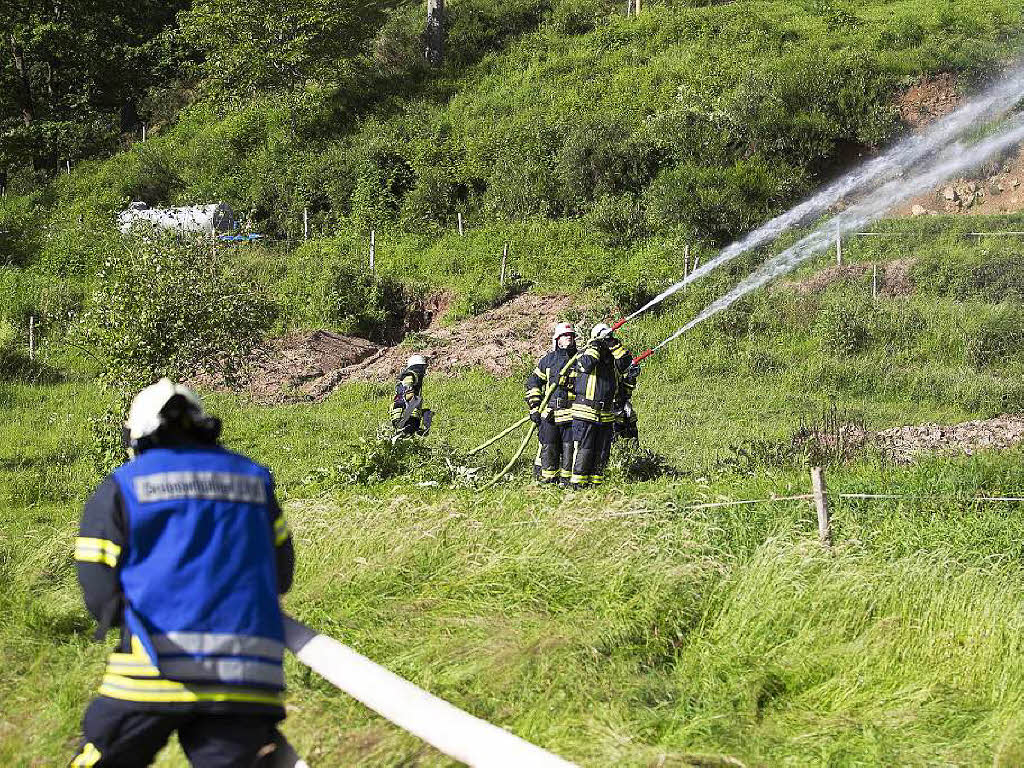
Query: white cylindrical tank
199, 219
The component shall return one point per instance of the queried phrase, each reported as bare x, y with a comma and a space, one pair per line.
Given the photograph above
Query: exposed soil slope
894, 278
308, 365
927, 100
999, 189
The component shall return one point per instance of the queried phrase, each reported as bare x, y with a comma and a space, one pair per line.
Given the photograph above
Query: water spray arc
959, 158
992, 104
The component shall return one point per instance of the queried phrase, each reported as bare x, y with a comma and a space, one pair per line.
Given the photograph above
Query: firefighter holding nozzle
600, 372
554, 422
185, 549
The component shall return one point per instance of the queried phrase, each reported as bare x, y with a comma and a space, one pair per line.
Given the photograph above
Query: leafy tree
72, 72
250, 45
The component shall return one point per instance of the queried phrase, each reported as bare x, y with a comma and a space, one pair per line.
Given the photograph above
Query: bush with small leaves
165, 307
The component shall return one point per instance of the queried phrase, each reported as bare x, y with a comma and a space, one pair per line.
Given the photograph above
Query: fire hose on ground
444, 726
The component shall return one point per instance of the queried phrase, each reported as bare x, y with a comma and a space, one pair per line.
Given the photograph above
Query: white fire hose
457, 734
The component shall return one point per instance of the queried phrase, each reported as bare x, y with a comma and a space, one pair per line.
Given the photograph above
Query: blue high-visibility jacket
197, 565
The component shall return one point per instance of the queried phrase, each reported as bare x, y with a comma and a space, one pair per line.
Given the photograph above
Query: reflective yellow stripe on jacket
281, 531
134, 689
89, 550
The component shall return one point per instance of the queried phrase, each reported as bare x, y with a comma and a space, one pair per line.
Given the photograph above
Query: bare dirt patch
282, 369
998, 188
904, 444
496, 340
308, 365
927, 100
894, 278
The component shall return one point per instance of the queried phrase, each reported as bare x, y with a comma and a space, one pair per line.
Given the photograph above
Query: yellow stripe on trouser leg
573, 477
88, 756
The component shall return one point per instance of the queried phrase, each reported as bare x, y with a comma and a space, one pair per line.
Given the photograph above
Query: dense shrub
997, 339
376, 458
719, 201
978, 273
844, 330
168, 308
329, 285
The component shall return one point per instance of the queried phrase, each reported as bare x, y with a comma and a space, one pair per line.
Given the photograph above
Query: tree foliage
249, 46
73, 72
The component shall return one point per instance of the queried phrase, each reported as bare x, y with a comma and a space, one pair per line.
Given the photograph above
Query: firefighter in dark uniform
599, 373
554, 422
186, 550
408, 416
625, 425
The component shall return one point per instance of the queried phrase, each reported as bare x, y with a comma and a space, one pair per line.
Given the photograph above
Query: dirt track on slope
309, 365
904, 444
894, 278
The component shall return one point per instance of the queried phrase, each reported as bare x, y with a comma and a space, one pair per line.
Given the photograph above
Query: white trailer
192, 219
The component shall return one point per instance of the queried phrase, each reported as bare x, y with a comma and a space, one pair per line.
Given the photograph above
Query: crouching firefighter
185, 549
599, 373
554, 422
408, 416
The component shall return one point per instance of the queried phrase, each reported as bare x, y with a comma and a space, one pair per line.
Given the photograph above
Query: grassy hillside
618, 627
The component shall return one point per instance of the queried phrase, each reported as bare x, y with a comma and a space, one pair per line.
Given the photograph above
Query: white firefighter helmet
561, 329
144, 415
415, 360
599, 331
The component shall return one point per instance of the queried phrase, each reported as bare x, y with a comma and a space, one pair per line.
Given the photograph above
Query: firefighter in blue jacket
186, 550
554, 422
599, 372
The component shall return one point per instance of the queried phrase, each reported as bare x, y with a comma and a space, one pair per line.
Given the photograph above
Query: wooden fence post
305, 223
839, 249
373, 249
686, 259
460, 224
821, 504
31, 337
874, 282
143, 131
696, 263
504, 261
